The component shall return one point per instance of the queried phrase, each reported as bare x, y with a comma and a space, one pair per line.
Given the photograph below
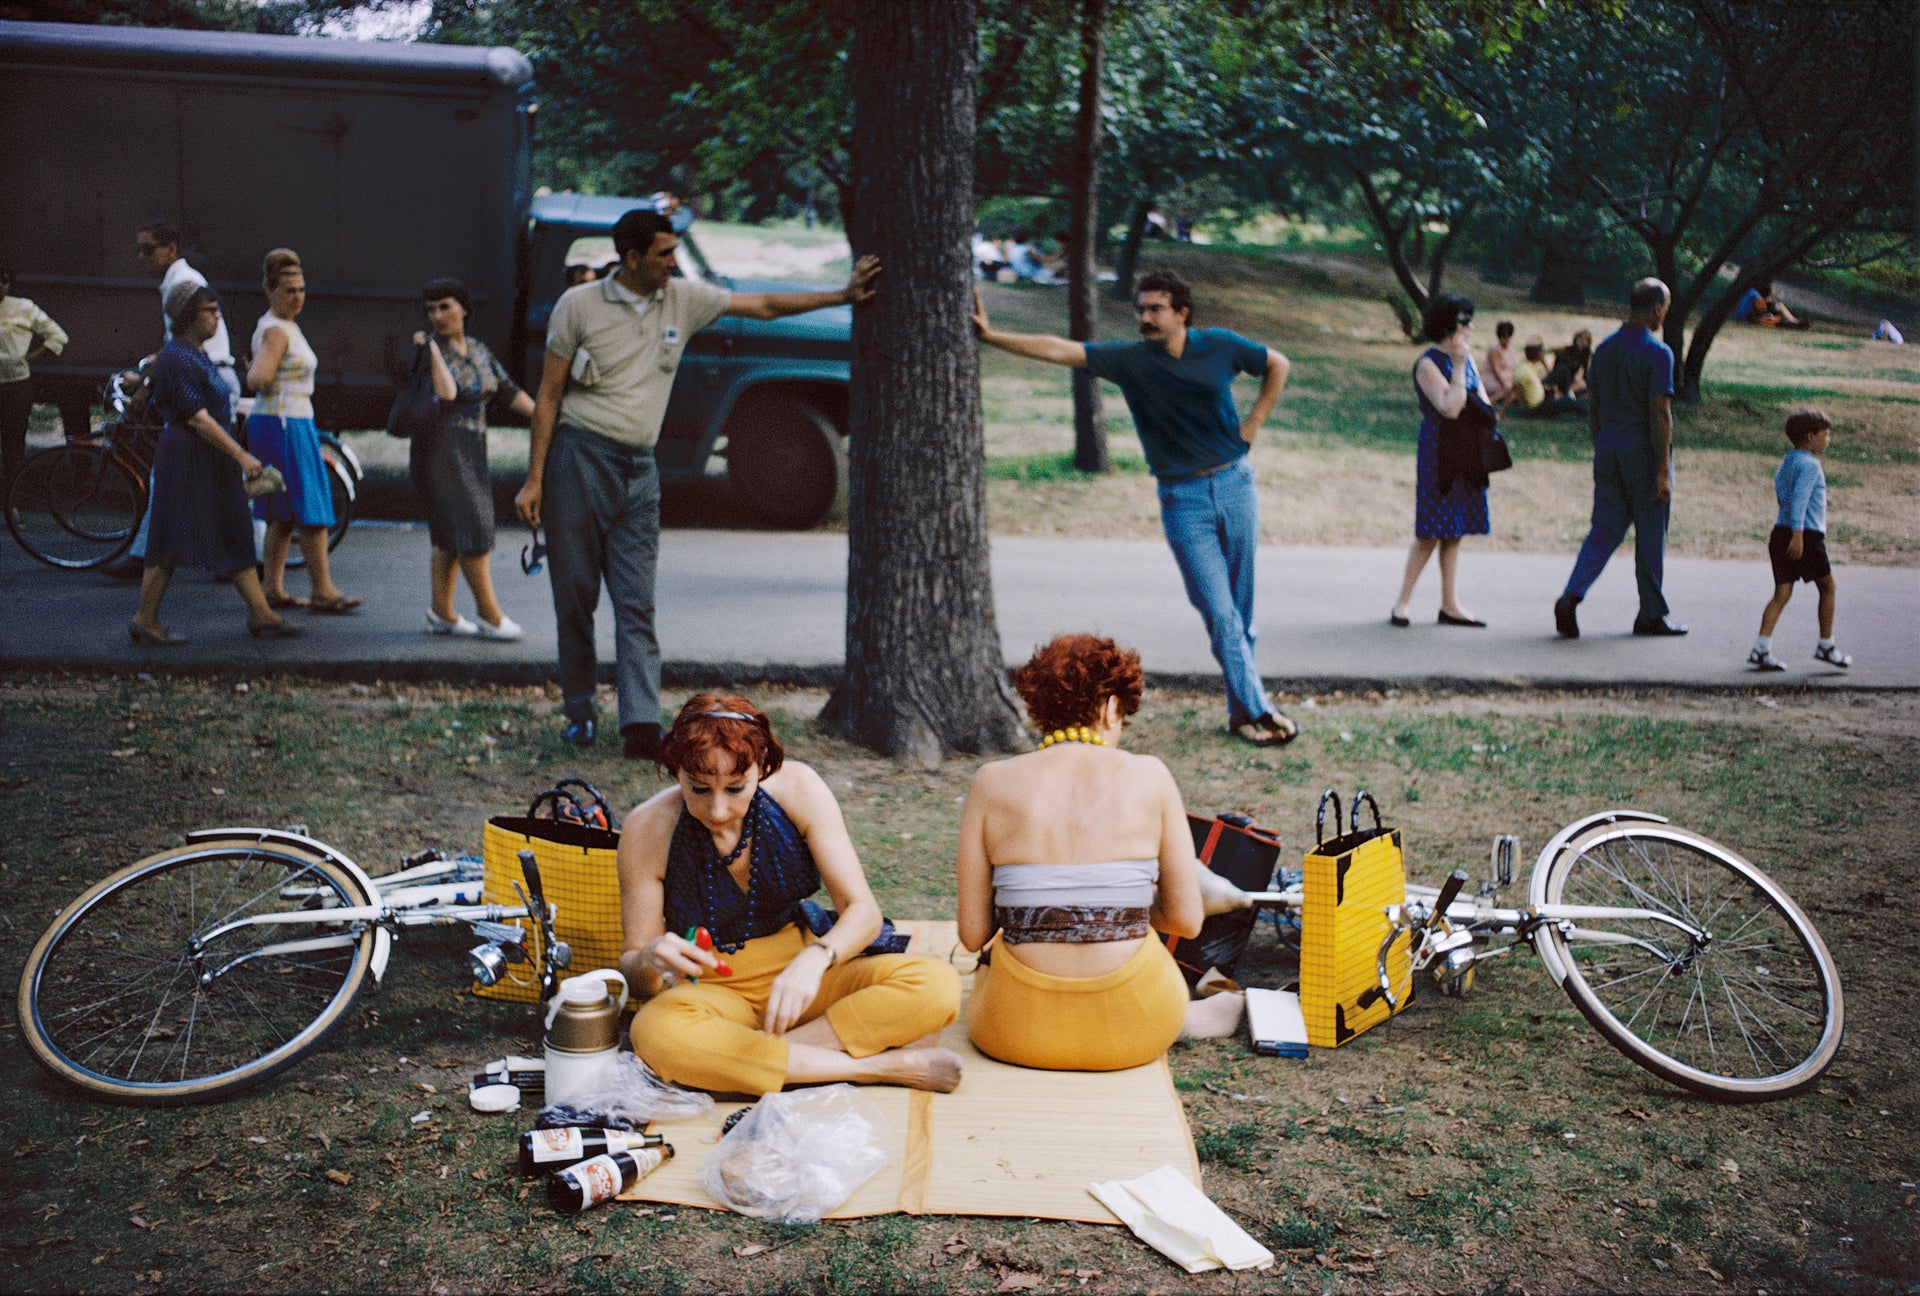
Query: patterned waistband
283, 407
1070, 924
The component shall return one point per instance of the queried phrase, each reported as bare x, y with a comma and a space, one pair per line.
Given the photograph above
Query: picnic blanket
1008, 1141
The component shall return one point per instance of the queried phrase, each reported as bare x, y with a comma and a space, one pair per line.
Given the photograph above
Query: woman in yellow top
1071, 858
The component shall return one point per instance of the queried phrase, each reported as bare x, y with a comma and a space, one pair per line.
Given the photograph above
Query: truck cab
761, 402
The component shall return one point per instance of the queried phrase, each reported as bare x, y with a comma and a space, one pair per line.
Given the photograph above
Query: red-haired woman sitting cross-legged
713, 871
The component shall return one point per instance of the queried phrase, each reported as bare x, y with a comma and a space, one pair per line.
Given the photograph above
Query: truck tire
786, 463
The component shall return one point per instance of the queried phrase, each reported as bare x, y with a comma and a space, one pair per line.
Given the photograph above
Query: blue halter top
700, 892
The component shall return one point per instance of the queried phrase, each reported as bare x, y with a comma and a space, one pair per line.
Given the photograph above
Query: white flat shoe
508, 631
458, 626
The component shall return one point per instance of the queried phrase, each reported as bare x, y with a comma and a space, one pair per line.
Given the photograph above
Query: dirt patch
1489, 1143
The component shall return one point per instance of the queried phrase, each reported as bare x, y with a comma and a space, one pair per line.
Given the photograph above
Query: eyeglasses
145, 249
533, 557
1465, 320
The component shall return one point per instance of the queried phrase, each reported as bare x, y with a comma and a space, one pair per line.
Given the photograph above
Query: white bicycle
1683, 955
201, 971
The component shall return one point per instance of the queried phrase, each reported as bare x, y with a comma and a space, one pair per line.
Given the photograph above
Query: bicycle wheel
134, 995
75, 506
1750, 1011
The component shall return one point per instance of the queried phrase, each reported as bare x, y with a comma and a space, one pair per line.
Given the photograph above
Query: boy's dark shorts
1812, 563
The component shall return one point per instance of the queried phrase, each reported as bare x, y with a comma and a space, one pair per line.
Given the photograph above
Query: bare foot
934, 1069
1214, 1017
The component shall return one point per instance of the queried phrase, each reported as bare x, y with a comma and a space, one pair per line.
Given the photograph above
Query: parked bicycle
79, 505
1683, 955
198, 972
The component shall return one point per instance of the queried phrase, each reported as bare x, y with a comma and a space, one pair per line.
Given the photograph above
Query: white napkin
1175, 1218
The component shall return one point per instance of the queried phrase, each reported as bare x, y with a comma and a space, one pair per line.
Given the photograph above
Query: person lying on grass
1071, 858
741, 995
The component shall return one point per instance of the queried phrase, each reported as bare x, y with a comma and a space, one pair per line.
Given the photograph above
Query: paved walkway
744, 605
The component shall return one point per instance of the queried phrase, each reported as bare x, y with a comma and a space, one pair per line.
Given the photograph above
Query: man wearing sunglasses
157, 246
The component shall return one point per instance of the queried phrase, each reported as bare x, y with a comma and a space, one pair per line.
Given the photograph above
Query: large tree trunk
924, 673
1089, 421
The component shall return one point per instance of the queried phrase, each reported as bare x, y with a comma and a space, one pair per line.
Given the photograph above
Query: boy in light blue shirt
1798, 544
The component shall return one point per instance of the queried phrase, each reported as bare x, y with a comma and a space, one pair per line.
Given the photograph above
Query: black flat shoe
1564, 620
580, 733
164, 639
1662, 628
273, 630
1397, 621
640, 741
1447, 618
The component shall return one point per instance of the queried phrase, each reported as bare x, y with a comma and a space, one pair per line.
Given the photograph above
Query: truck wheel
786, 463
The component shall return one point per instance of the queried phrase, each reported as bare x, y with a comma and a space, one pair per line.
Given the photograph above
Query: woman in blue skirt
199, 514
281, 431
1442, 379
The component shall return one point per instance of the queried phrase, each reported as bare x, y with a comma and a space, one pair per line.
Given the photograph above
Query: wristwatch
833, 955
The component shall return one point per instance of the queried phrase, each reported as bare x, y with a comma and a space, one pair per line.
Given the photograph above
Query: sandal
339, 605
1266, 731
1765, 661
281, 602
1832, 656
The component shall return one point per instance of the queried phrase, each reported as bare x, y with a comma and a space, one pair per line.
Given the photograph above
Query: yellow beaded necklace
1073, 733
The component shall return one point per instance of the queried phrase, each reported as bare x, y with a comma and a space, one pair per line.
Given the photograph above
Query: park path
743, 605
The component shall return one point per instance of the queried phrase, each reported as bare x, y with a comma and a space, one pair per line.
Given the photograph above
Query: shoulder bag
415, 408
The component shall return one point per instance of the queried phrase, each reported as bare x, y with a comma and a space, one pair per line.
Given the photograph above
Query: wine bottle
543, 1151
586, 1185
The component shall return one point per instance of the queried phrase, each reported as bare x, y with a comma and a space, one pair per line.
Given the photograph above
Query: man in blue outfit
1178, 382
1630, 410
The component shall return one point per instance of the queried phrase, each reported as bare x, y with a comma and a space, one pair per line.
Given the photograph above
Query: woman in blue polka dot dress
1442, 379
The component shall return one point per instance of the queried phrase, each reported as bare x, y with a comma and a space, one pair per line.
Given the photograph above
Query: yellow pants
708, 1035
1125, 1018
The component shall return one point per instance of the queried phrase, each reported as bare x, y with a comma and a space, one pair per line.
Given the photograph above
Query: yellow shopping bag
580, 879
1350, 880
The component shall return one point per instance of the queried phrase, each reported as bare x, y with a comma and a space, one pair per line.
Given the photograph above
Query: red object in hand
703, 939
723, 967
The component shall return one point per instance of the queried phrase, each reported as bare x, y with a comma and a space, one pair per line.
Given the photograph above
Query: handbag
415, 408
578, 874
1494, 456
1233, 847
1351, 878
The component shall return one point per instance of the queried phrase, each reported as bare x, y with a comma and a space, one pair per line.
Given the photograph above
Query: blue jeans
1213, 525
1625, 495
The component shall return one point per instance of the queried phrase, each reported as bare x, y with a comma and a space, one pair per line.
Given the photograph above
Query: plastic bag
796, 1156
626, 1096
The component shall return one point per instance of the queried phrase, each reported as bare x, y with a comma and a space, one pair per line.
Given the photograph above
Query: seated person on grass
1568, 377
1762, 305
1071, 858
1529, 396
733, 847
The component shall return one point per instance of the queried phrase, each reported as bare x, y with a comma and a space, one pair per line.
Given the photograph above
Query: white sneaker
508, 631
458, 626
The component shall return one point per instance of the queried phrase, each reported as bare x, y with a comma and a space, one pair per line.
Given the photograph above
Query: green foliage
1232, 1145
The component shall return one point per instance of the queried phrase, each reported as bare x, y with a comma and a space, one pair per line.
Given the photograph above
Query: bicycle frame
414, 896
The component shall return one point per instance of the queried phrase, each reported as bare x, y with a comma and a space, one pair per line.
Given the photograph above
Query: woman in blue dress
1442, 378
282, 432
199, 511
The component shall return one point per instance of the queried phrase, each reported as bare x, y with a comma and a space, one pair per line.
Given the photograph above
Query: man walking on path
1630, 409
612, 349
1178, 382
157, 244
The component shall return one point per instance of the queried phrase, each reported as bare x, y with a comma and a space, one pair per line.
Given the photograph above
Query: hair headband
724, 715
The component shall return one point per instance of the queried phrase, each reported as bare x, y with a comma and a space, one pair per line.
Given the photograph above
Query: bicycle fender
1537, 883
382, 951
281, 837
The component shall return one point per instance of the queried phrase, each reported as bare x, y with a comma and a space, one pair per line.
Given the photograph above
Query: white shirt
218, 348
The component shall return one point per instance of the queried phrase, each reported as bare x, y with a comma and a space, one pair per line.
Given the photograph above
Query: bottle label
633, 1141
556, 1145
647, 1160
599, 1179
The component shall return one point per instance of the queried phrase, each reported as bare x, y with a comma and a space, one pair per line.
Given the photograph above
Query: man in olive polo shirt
613, 346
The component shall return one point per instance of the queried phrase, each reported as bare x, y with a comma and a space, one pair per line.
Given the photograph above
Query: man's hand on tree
980, 325
860, 287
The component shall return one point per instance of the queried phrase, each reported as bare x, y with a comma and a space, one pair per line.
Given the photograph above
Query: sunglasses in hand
533, 557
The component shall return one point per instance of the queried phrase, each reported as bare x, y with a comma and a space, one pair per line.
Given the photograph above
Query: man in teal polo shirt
1178, 382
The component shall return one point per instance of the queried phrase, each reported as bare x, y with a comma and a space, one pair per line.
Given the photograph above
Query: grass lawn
1492, 1143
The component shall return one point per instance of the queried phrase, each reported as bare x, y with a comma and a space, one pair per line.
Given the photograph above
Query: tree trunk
1129, 258
924, 673
1083, 321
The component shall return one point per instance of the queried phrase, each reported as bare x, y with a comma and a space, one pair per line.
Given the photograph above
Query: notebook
1275, 1023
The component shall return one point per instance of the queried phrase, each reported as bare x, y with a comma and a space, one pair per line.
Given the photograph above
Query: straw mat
1009, 1141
